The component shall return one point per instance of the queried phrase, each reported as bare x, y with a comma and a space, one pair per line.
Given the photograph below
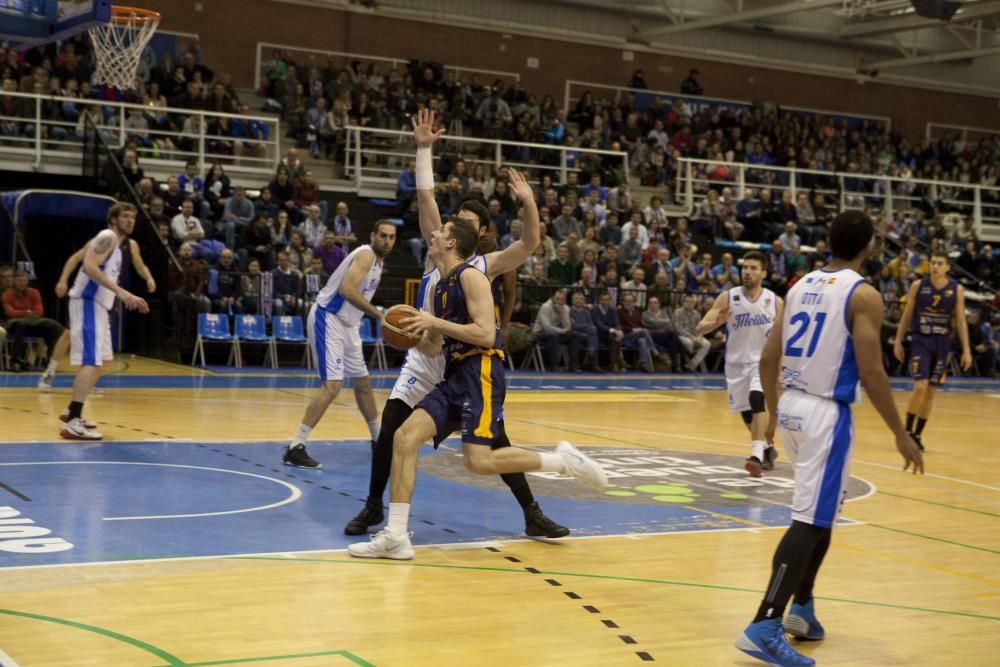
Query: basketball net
119, 43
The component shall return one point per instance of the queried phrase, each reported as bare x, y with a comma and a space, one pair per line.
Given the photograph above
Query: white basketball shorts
817, 434
418, 377
337, 346
90, 333
741, 379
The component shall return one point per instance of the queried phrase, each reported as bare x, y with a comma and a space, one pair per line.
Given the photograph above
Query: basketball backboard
27, 23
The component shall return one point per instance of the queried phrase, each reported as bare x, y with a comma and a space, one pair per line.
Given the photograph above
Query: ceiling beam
932, 58
738, 17
968, 12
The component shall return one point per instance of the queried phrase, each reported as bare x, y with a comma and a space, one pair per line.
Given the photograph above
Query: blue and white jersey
85, 288
816, 343
749, 325
331, 300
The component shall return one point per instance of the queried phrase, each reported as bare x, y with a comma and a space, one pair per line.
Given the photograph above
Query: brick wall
230, 29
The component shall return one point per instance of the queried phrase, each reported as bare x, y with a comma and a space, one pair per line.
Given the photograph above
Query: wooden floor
913, 580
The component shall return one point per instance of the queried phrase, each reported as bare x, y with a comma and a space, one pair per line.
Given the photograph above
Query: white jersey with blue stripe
85, 288
332, 300
749, 325
816, 343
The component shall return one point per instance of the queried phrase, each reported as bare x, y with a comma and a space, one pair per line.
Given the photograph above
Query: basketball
392, 329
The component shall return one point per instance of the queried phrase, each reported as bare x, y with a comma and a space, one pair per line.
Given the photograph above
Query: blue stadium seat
249, 329
374, 338
212, 328
289, 329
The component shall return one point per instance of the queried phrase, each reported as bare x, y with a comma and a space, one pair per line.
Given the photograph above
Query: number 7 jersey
816, 343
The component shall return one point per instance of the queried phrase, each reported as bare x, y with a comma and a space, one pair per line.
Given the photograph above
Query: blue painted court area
518, 380
77, 503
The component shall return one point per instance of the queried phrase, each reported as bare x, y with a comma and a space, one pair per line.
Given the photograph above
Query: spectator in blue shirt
406, 184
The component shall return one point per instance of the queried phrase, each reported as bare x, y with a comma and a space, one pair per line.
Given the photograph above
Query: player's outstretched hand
519, 185
910, 453
61, 289
966, 360
133, 302
423, 129
898, 351
151, 285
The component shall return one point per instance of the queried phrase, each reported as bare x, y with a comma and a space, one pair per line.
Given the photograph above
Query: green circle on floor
669, 489
673, 499
619, 493
733, 496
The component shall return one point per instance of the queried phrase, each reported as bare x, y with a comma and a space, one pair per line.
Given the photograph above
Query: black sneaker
298, 457
753, 466
916, 439
372, 515
770, 456
536, 524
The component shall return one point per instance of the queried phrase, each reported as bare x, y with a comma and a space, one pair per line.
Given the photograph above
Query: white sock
757, 449
551, 462
373, 428
301, 435
51, 368
399, 517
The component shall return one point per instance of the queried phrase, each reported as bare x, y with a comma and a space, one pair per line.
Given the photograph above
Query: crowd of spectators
179, 82
226, 237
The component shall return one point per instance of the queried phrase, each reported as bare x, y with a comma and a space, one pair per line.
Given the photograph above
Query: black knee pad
757, 402
747, 416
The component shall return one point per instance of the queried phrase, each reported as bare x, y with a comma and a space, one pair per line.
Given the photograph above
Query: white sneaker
75, 429
581, 466
45, 382
383, 545
64, 417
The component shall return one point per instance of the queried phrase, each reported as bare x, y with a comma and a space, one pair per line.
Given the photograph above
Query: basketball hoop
119, 43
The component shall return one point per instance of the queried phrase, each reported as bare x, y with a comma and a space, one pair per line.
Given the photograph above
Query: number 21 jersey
816, 343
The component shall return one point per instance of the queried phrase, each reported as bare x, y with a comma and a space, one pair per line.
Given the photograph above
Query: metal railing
40, 136
848, 190
966, 133
309, 57
375, 157
696, 102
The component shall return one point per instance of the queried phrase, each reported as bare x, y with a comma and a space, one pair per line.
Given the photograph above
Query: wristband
425, 169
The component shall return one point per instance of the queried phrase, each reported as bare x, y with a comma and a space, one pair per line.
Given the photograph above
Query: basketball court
181, 540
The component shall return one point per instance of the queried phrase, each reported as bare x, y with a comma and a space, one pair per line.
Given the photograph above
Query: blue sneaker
802, 624
765, 640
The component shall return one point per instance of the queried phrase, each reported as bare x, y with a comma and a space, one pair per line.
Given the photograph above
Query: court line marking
443, 545
687, 584
169, 658
6, 660
722, 442
295, 495
347, 655
910, 561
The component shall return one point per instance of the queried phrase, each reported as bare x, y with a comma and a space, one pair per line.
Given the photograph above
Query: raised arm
425, 136
359, 268
514, 255
509, 286
904, 321
62, 286
962, 327
865, 313
716, 316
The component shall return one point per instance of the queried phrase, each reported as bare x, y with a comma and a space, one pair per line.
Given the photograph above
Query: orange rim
126, 14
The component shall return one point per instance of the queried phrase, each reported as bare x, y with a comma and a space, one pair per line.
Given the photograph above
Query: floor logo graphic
648, 476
